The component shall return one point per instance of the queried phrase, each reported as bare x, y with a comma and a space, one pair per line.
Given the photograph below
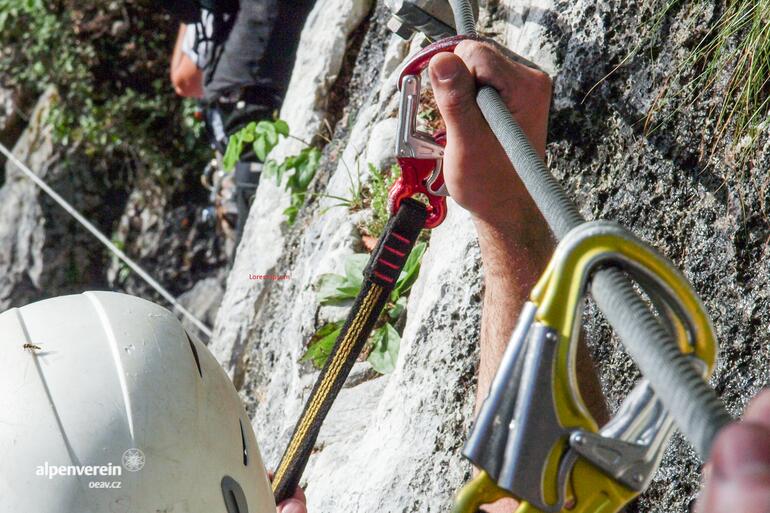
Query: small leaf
349, 292
270, 169
354, 268
279, 172
248, 133
398, 308
260, 148
304, 177
322, 343
233, 152
291, 214
267, 130
123, 274
386, 344
307, 167
282, 127
328, 286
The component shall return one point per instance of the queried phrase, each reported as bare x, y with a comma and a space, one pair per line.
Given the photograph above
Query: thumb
455, 90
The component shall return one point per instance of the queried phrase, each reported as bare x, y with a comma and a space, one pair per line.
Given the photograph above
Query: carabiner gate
534, 439
420, 155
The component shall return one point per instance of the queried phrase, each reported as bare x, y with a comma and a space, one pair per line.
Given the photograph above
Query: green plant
263, 137
335, 289
732, 62
297, 170
109, 63
321, 343
377, 197
355, 200
738, 49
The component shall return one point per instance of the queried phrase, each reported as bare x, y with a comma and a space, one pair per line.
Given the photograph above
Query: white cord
104, 240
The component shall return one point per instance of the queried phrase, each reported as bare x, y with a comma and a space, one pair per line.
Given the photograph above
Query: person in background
237, 57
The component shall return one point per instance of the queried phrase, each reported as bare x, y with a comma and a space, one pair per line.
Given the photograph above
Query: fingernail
444, 67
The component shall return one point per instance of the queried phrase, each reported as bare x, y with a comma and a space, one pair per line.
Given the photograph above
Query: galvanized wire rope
105, 241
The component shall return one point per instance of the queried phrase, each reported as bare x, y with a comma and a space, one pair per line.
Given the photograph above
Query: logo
133, 460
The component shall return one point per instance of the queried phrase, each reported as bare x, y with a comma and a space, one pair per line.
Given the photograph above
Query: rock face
43, 252
392, 443
708, 218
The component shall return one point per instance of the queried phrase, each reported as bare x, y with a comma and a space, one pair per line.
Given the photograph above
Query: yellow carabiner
566, 478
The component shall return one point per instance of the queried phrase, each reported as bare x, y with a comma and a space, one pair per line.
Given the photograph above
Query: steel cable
105, 241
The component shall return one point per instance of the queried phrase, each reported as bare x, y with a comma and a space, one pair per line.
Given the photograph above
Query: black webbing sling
380, 277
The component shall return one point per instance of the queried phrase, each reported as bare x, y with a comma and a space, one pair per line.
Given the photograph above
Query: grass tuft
733, 60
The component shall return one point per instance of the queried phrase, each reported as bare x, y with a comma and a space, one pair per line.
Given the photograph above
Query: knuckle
542, 82
475, 53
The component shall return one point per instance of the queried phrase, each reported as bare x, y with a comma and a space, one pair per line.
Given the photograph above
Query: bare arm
515, 241
514, 238
185, 75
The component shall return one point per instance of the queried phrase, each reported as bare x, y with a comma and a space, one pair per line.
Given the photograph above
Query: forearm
515, 250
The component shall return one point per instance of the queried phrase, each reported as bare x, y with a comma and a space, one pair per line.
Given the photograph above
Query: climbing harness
105, 241
534, 439
420, 156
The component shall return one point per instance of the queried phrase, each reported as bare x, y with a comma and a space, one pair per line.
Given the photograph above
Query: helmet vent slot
195, 354
243, 441
232, 493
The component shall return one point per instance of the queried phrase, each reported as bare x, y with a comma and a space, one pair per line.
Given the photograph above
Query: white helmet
108, 406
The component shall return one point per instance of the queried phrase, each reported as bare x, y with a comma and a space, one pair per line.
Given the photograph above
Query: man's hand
478, 174
739, 475
186, 78
297, 503
515, 241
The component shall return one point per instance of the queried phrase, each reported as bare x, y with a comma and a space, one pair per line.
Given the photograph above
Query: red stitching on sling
383, 277
394, 251
400, 237
383, 261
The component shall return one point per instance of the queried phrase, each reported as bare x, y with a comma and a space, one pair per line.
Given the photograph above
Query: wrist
515, 244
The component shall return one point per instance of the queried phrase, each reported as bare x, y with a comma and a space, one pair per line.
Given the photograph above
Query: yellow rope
339, 359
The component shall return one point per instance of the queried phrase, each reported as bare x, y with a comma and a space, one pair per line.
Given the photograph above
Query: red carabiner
420, 155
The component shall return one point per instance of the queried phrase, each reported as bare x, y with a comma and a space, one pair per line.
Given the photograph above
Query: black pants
246, 181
